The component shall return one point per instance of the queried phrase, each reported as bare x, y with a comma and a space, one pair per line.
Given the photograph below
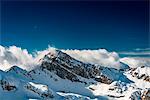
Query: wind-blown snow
41, 54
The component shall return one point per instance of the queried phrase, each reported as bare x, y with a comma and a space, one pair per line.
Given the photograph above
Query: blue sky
114, 25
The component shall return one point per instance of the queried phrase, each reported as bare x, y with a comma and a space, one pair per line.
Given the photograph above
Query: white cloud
136, 58
136, 53
41, 54
15, 56
100, 56
10, 56
136, 61
142, 49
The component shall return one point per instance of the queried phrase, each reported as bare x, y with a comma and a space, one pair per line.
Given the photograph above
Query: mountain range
59, 76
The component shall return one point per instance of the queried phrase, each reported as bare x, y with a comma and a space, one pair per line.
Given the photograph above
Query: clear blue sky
75, 25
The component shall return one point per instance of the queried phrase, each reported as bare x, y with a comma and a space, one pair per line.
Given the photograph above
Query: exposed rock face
44, 94
146, 95
103, 79
137, 72
7, 86
147, 78
118, 86
67, 67
136, 95
60, 71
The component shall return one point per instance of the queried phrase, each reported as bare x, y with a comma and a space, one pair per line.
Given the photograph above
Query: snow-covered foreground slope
59, 76
15, 87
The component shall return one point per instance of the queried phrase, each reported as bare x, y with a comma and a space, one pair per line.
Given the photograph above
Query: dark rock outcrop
67, 67
146, 95
7, 86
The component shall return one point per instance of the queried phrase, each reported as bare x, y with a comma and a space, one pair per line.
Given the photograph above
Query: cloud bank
15, 56
136, 61
10, 56
137, 52
100, 57
142, 49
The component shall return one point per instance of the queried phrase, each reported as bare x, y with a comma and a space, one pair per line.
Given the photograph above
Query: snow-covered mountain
58, 76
